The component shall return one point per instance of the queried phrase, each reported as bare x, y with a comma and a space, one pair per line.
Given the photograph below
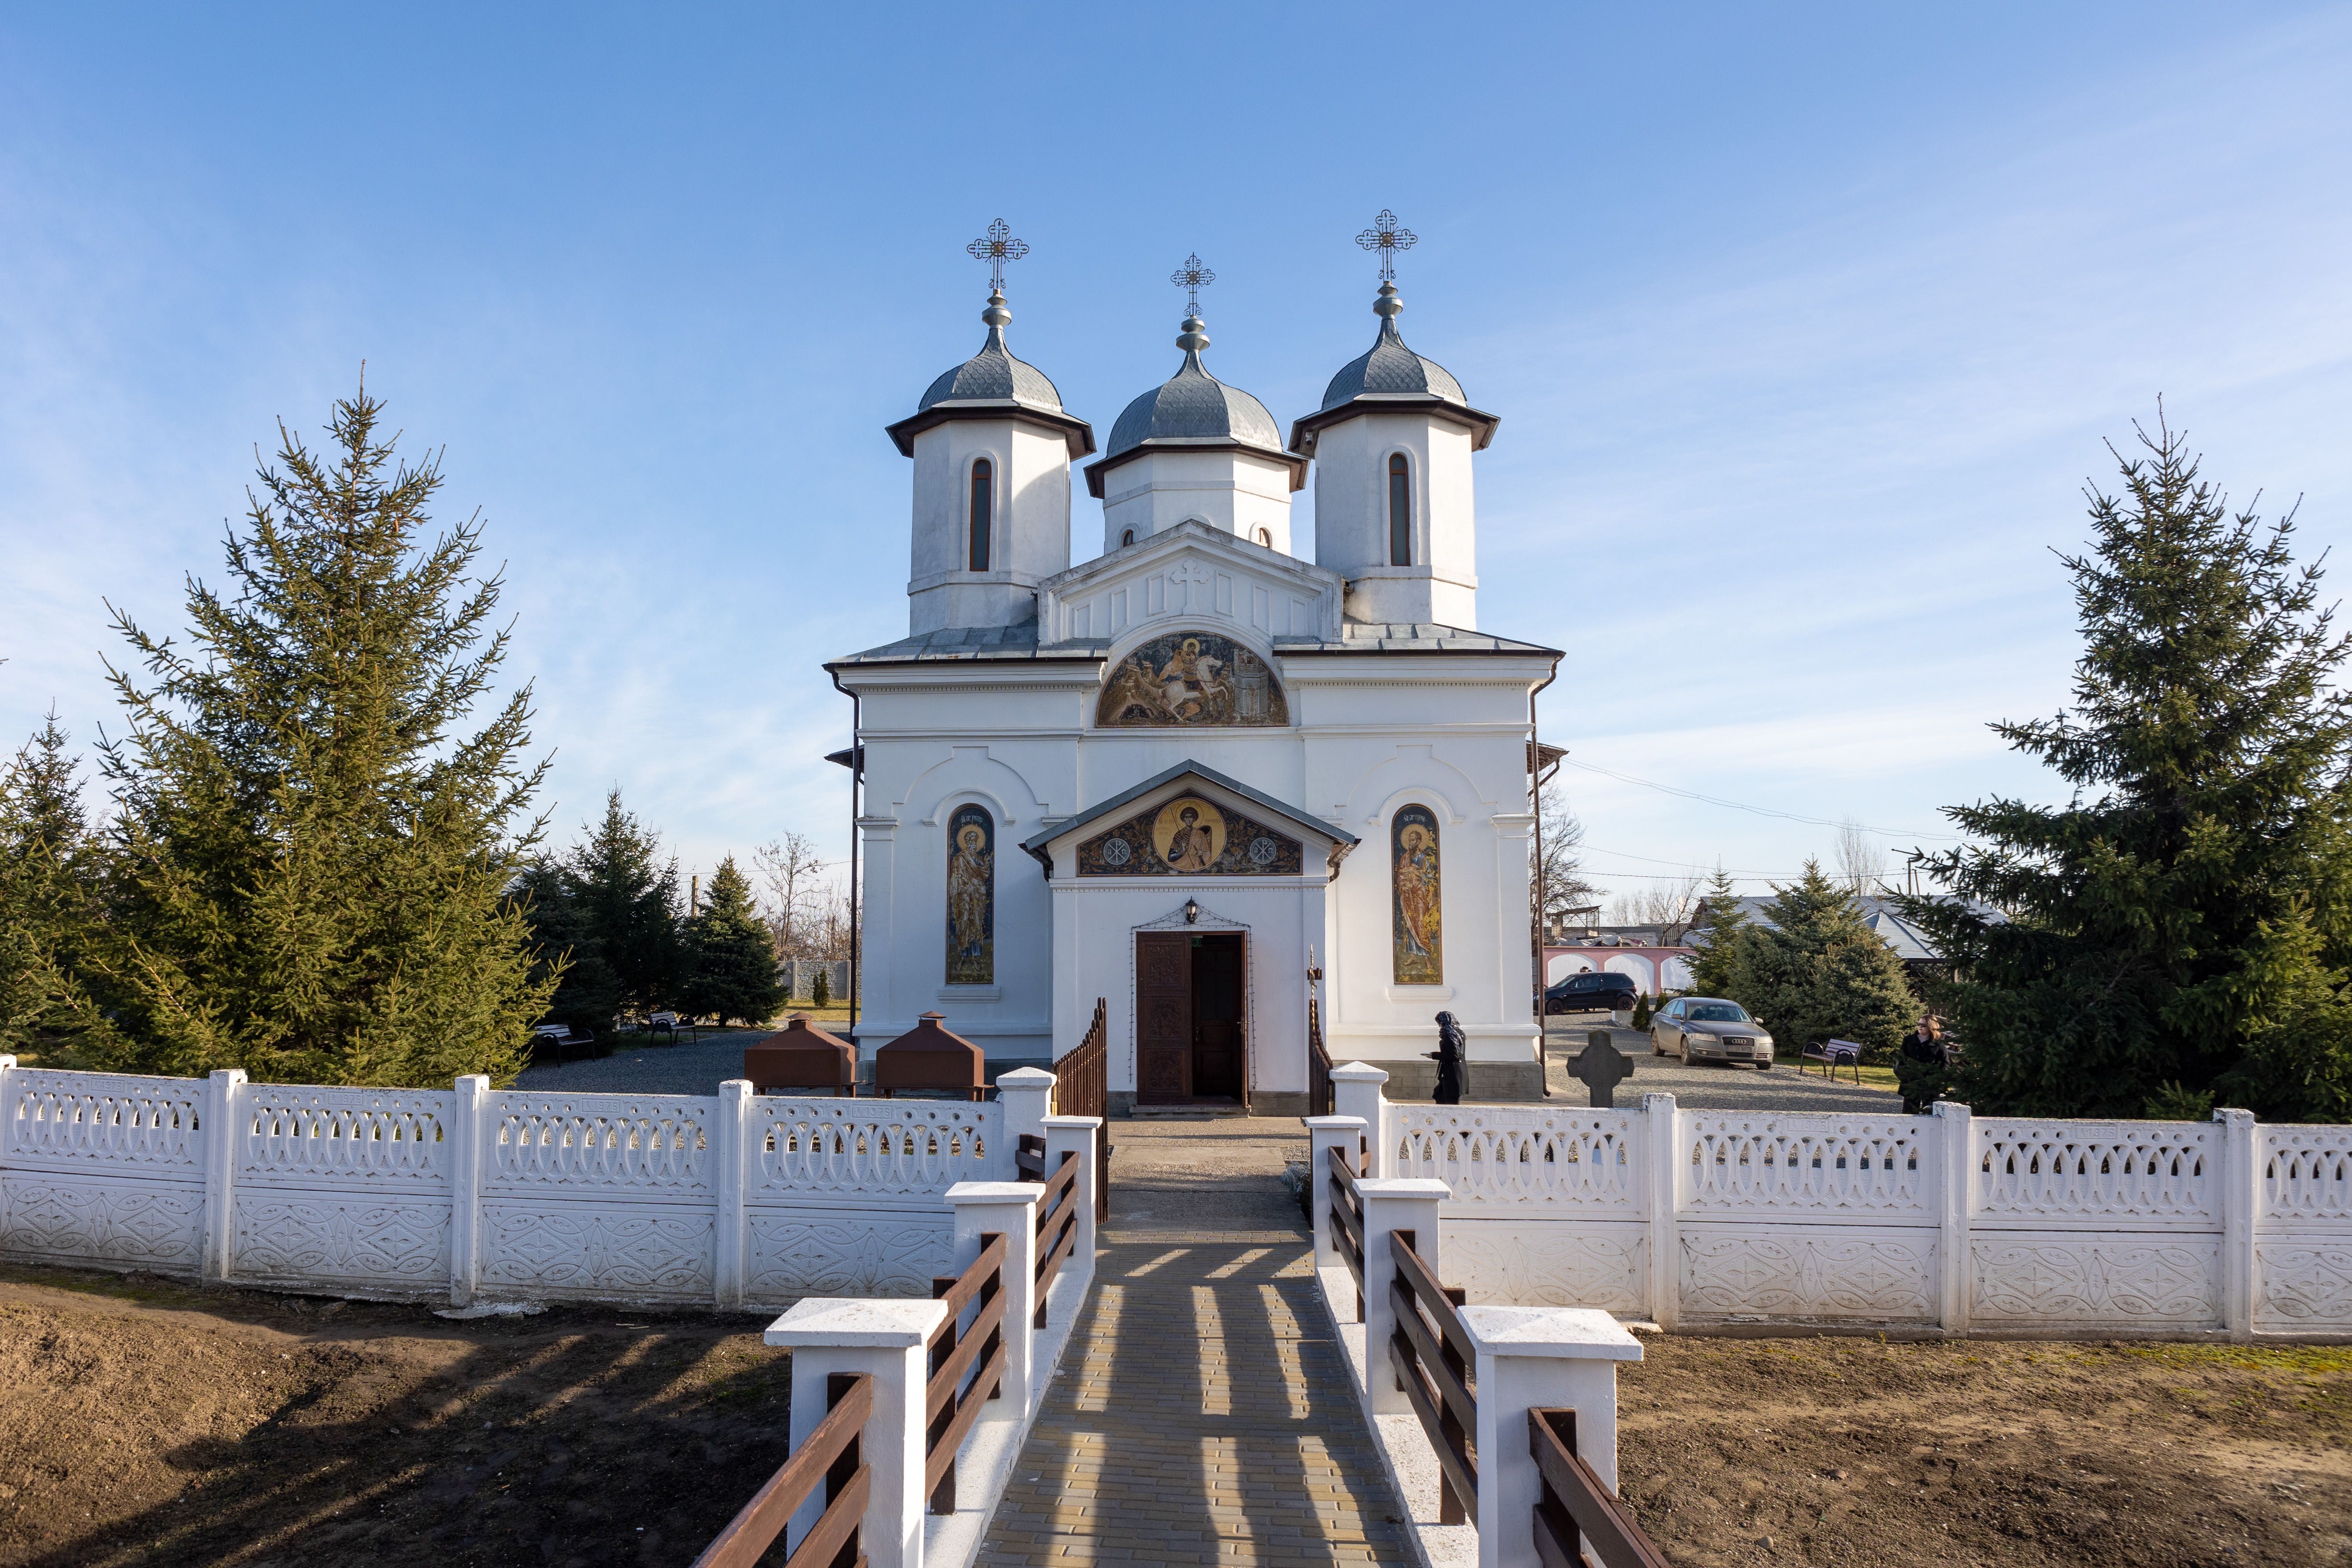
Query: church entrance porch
1190, 996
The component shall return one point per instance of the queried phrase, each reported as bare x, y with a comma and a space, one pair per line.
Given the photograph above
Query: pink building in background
1654, 969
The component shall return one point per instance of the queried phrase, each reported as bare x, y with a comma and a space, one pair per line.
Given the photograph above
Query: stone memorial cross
1603, 1066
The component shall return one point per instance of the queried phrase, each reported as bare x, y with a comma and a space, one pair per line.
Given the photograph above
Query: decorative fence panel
1991, 1225
738, 1200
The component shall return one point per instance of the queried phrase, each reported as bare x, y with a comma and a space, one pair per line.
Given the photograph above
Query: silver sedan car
1709, 1029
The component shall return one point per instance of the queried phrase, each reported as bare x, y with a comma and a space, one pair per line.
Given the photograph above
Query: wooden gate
1082, 1088
1163, 1017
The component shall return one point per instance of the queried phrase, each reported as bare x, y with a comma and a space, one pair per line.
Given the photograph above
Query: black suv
1601, 993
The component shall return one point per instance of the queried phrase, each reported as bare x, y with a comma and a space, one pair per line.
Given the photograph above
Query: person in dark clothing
1920, 1066
1448, 1055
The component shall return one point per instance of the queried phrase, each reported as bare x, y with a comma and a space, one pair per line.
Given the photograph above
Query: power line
1757, 810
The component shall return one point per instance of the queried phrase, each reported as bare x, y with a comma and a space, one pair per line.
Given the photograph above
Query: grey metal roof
994, 375
971, 644
1193, 406
1035, 843
1423, 636
1388, 367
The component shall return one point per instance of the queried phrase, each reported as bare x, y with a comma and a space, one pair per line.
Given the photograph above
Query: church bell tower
1394, 513
992, 448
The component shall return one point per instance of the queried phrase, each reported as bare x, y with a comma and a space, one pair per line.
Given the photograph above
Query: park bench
562, 1039
1833, 1054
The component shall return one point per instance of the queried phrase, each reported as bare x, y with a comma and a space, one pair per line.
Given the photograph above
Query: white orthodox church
1197, 776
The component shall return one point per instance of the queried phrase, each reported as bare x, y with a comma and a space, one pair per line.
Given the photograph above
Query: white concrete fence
1952, 1222
473, 1193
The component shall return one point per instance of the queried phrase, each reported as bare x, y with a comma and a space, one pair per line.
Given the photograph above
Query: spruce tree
624, 896
1718, 967
314, 854
733, 955
50, 872
1819, 972
2183, 926
586, 992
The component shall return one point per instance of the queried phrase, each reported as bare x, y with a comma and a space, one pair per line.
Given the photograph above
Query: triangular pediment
1192, 574
1239, 831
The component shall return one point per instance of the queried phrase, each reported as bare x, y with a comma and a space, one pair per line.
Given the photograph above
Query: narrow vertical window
1399, 512
984, 492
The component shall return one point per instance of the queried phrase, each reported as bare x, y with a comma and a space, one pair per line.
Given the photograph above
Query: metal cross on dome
1387, 237
996, 248
1192, 278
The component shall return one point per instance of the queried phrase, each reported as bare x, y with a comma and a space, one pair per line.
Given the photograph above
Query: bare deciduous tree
1861, 860
789, 869
1560, 884
1673, 906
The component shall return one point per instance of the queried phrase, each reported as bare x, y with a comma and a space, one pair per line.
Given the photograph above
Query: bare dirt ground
145, 1422
1857, 1451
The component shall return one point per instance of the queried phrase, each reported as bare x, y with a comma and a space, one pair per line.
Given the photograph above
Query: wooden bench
563, 1040
1833, 1054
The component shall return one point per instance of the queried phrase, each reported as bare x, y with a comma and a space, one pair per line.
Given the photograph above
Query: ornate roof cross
1387, 238
1192, 278
996, 248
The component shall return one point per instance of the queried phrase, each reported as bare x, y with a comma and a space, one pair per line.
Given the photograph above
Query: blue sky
1805, 326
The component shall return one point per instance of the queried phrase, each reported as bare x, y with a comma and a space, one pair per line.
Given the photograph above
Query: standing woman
1448, 1057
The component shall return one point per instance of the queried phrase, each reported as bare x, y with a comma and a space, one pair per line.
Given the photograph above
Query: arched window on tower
1126, 536
1266, 537
983, 495
1399, 512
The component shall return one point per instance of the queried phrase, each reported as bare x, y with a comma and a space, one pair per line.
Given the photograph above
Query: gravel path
1711, 1087
698, 1068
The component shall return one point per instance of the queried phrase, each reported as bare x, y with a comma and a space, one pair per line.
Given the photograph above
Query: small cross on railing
996, 248
1387, 237
1192, 278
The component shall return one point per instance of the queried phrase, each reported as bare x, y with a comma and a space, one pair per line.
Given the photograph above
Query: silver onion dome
993, 384
1391, 375
1191, 409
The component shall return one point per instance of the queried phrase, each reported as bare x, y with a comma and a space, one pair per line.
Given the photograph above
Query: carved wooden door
1163, 1016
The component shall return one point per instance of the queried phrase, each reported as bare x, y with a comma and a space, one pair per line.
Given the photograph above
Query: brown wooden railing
1318, 1063
1571, 1499
1082, 1088
967, 1365
1029, 1158
1348, 1222
1057, 1227
833, 1455
1432, 1354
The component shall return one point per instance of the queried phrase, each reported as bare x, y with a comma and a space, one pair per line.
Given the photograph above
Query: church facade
1198, 777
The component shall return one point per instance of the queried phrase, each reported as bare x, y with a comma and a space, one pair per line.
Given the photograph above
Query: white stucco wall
1235, 491
1030, 530
1351, 518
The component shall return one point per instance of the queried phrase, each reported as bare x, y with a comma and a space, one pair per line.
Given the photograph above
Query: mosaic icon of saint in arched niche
1189, 833
1420, 941
972, 896
1188, 679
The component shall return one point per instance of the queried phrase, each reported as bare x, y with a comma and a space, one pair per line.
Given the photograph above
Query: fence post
1662, 1134
1077, 1135
883, 1341
1392, 1205
1356, 1091
1955, 1133
222, 1092
2241, 1192
1325, 1134
731, 1156
1028, 1096
1008, 1209
1540, 1358
468, 1108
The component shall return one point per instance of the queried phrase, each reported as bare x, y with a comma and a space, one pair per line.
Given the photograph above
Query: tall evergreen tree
1818, 973
586, 992
314, 854
2182, 927
1718, 967
48, 876
624, 896
733, 955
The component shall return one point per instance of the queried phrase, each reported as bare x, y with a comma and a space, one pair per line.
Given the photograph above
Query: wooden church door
1163, 1016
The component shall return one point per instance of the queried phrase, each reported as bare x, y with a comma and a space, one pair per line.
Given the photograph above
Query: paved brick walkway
1203, 1411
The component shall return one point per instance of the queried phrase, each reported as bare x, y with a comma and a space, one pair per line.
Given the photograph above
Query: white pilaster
731, 1162
1356, 1091
469, 1108
1076, 1134
1538, 1358
1008, 1209
2242, 1191
1663, 1142
1954, 1127
1028, 1096
1325, 1134
883, 1341
223, 1094
1391, 1206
